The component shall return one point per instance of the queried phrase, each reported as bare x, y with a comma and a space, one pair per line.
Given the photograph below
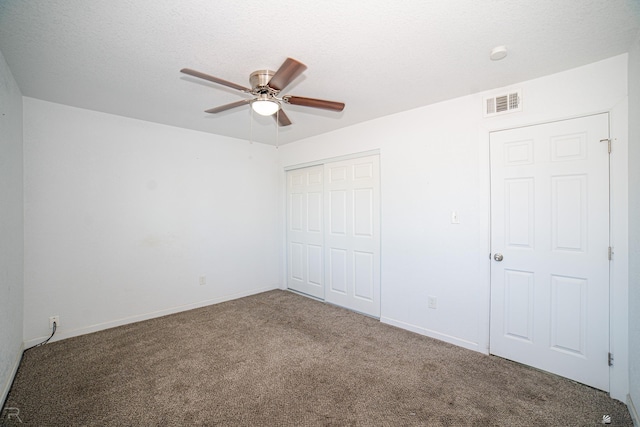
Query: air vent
506, 103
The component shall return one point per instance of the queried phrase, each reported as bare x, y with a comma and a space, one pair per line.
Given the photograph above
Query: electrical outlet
53, 319
203, 280
432, 302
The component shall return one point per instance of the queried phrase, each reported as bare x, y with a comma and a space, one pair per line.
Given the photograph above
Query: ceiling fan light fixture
265, 107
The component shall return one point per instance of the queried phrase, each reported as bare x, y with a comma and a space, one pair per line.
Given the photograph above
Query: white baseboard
633, 411
7, 386
61, 335
433, 334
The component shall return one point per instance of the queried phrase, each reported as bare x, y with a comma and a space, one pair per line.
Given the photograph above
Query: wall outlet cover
53, 319
432, 302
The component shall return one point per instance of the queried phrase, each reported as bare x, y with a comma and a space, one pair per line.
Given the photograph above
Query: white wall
123, 216
634, 229
11, 228
434, 160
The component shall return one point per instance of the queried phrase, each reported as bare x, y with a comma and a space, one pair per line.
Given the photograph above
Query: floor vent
506, 103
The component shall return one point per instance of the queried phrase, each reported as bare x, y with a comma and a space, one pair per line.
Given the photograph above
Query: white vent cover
506, 103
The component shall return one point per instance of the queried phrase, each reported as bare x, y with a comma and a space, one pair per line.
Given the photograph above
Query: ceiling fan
265, 88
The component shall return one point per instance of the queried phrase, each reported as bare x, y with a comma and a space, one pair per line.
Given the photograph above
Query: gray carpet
280, 359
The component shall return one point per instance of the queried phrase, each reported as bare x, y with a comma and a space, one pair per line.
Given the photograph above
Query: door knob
498, 257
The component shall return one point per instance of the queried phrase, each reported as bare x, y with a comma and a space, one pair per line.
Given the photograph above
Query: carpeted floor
280, 359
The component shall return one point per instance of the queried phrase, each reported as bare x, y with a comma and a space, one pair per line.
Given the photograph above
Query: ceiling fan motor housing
260, 78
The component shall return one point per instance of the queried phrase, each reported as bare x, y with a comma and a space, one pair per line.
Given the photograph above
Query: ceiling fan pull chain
277, 127
250, 125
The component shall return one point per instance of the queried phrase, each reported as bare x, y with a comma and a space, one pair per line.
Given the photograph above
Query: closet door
352, 236
305, 231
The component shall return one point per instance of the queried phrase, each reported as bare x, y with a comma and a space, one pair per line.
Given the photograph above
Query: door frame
330, 160
618, 233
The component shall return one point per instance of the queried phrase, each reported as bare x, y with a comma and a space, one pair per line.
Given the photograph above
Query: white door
352, 243
550, 225
305, 235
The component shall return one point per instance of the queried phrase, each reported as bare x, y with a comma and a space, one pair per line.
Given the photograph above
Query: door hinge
610, 253
608, 141
610, 359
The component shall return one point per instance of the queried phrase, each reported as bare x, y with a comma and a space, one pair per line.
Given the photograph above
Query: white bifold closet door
336, 257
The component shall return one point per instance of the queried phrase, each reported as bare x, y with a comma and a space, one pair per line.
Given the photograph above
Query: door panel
519, 210
337, 271
305, 231
296, 261
568, 318
352, 215
550, 221
314, 213
363, 212
363, 276
338, 214
315, 265
518, 305
568, 213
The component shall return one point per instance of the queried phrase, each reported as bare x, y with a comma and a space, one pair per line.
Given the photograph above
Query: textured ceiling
379, 57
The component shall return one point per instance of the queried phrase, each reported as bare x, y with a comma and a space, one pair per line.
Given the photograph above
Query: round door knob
498, 257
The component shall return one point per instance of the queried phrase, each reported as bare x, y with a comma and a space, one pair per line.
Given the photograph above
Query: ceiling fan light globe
265, 108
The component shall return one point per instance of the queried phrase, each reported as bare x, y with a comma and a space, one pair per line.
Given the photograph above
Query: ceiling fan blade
200, 75
314, 103
289, 70
282, 118
228, 106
